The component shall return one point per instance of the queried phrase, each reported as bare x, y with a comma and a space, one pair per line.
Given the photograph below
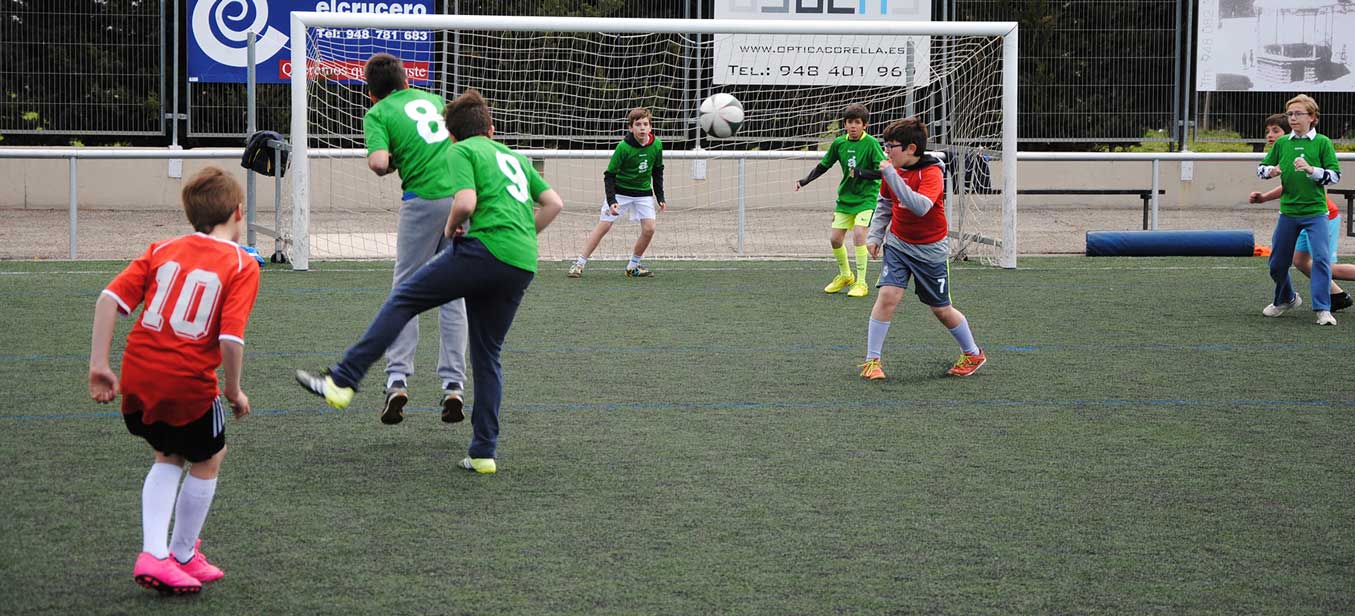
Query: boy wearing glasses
1276, 125
405, 132
1306, 164
910, 225
859, 154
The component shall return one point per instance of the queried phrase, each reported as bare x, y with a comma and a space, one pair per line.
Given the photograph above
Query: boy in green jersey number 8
860, 155
406, 134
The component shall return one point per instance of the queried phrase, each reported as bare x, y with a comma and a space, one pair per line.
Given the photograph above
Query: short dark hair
468, 116
1277, 119
384, 74
637, 114
210, 198
907, 131
856, 111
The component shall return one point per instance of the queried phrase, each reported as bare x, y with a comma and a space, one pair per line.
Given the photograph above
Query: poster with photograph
1276, 45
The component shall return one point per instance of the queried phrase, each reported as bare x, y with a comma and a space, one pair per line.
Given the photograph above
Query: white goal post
1001, 143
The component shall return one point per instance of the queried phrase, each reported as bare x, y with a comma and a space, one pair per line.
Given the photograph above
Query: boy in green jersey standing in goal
1306, 164
405, 133
633, 182
492, 260
860, 155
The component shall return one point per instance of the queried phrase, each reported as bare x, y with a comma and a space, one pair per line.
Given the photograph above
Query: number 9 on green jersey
506, 187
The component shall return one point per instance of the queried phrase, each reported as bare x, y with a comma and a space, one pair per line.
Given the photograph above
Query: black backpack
258, 157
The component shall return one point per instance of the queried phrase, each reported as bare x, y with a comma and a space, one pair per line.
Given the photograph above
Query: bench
1146, 194
1349, 194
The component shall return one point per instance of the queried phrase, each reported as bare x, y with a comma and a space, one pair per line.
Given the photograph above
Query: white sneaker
1324, 318
1275, 311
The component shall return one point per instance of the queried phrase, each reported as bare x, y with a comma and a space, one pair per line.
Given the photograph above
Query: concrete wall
347, 185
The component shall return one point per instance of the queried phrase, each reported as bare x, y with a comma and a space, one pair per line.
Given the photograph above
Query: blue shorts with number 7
932, 279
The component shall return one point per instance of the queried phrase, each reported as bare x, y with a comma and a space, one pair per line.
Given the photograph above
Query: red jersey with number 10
198, 291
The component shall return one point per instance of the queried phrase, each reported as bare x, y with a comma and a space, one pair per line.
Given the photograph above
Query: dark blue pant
1282, 256
492, 290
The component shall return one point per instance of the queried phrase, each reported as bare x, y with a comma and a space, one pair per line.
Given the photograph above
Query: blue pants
492, 290
1282, 257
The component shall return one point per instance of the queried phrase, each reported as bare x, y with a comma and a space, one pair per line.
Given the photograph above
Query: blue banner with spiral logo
218, 34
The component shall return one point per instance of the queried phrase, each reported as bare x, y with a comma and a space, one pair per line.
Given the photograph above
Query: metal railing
75, 154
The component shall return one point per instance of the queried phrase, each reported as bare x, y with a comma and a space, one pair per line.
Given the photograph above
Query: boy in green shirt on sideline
860, 156
1306, 164
490, 265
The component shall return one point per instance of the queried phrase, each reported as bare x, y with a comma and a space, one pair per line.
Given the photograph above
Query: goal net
560, 90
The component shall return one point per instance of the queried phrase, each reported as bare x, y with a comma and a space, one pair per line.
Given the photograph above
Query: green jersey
408, 123
633, 165
855, 195
1302, 196
506, 187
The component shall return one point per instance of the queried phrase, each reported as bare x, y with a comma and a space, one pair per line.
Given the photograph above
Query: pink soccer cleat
199, 568
164, 575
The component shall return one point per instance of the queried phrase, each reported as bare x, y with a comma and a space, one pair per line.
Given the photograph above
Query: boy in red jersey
910, 224
198, 290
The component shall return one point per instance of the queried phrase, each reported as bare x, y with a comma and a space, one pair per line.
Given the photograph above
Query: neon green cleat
323, 385
858, 289
484, 466
839, 283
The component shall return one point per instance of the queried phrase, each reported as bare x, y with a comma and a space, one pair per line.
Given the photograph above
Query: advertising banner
827, 60
1275, 46
218, 30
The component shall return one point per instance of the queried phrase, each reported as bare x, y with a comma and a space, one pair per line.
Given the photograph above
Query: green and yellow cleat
323, 385
484, 466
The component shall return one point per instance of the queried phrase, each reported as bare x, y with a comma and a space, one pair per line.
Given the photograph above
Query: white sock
395, 376
581, 261
965, 337
194, 501
875, 338
157, 504
634, 262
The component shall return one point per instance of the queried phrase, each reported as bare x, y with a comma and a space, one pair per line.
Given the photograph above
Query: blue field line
1269, 347
1111, 403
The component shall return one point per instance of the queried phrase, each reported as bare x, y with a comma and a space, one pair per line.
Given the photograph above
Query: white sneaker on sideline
1324, 318
1275, 311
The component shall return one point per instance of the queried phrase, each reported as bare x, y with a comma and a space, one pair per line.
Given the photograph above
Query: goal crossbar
302, 21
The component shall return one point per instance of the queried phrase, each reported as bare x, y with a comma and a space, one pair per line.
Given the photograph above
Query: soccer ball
720, 115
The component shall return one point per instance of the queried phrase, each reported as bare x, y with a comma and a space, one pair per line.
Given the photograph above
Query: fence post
742, 182
74, 203
250, 127
1157, 171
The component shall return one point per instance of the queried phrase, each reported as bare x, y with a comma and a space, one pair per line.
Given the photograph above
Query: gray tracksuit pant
420, 239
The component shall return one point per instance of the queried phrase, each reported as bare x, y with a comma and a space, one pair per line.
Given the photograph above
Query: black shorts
196, 442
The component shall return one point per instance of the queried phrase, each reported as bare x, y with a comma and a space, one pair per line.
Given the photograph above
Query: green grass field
1142, 440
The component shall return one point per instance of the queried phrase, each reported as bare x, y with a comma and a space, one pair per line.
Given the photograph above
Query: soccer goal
560, 89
